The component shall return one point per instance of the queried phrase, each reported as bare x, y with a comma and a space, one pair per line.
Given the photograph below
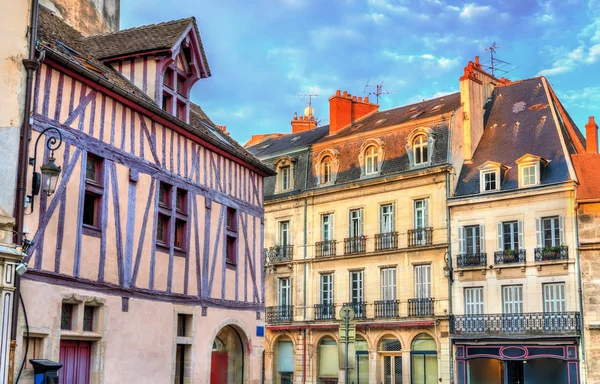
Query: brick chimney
476, 86
344, 109
591, 136
303, 123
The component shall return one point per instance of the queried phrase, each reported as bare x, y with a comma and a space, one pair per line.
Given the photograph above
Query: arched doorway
328, 368
424, 364
227, 357
283, 363
390, 351
360, 374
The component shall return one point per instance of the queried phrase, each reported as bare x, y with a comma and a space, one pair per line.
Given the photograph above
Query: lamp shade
50, 173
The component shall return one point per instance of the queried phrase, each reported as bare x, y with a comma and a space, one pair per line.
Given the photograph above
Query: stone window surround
380, 153
335, 165
528, 160
410, 141
282, 162
489, 167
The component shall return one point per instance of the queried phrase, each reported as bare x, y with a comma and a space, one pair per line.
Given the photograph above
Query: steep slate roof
520, 121
61, 41
400, 115
276, 145
587, 166
146, 38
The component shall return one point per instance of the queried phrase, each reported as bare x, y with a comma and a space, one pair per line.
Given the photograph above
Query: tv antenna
309, 111
495, 64
378, 90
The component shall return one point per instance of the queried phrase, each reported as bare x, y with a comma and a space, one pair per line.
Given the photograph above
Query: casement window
232, 235
370, 157
512, 299
420, 150
66, 316
474, 301
284, 233
471, 239
175, 93
326, 167
421, 213
172, 205
550, 231
510, 235
371, 161
183, 348
94, 190
327, 227
530, 169
386, 218
285, 177
356, 286
284, 290
490, 181
422, 281
285, 174
388, 284
89, 314
326, 283
355, 221
554, 298
326, 170
529, 175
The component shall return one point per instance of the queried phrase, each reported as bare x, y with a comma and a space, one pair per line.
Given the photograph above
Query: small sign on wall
260, 331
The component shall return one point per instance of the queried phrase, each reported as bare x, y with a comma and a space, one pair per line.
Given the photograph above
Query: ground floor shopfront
382, 354
517, 362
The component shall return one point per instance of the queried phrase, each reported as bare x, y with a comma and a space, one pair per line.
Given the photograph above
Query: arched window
370, 157
420, 150
326, 169
284, 363
326, 165
328, 359
371, 161
424, 363
390, 350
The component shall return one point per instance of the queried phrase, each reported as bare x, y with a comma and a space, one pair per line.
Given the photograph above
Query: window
326, 166
172, 205
167, 103
356, 287
284, 233
424, 364
471, 239
231, 219
528, 175
162, 229
184, 325
231, 236
328, 359
88, 318
326, 282
474, 301
422, 281
94, 190
510, 235
35, 350
512, 299
421, 234
181, 200
554, 298
284, 290
355, 223
371, 162
66, 317
550, 231
175, 88
285, 174
326, 170
421, 219
327, 227
420, 150
386, 218
180, 233
285, 178
285, 360
388, 284
490, 181
164, 195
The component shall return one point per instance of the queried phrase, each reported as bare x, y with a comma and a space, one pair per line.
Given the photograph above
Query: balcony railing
386, 241
420, 307
420, 236
559, 252
509, 256
360, 309
353, 245
279, 254
325, 311
325, 248
551, 323
471, 259
280, 314
386, 309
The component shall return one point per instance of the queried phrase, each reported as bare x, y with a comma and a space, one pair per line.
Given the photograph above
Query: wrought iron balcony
353, 245
509, 256
279, 254
533, 323
325, 311
386, 241
471, 259
325, 248
386, 309
420, 307
559, 252
280, 314
360, 309
420, 236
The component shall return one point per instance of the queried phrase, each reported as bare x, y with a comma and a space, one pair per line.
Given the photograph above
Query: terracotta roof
153, 37
587, 166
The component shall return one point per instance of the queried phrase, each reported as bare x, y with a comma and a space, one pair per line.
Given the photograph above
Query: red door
75, 358
218, 368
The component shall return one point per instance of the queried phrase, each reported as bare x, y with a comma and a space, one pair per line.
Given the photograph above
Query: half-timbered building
146, 265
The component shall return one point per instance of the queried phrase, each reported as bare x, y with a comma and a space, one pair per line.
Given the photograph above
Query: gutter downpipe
308, 161
449, 253
31, 65
580, 297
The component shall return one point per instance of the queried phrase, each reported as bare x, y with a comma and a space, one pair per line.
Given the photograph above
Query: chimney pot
345, 94
360, 99
337, 93
366, 99
354, 98
591, 135
476, 59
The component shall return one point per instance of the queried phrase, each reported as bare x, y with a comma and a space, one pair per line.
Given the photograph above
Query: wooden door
218, 368
75, 357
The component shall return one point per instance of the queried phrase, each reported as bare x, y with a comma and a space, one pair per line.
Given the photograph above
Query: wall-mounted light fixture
49, 171
448, 266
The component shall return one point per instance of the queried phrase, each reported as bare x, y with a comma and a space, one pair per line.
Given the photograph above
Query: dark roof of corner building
67, 46
400, 115
276, 145
587, 166
520, 121
146, 38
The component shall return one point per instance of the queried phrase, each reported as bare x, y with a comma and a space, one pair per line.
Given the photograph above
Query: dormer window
326, 167
530, 170
285, 178
285, 174
371, 157
490, 176
419, 147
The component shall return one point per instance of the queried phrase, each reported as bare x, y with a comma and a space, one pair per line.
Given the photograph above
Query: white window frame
286, 177
421, 213
463, 243
326, 289
515, 238
371, 161
387, 218
388, 283
420, 148
474, 301
526, 180
326, 169
355, 224
327, 227
554, 297
422, 275
284, 233
484, 182
284, 290
357, 295
557, 223
512, 299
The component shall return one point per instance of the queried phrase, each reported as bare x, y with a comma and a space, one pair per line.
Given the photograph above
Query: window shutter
538, 232
425, 213
349, 223
500, 242
427, 280
521, 241
482, 238
393, 293
418, 281
393, 219
360, 222
381, 220
461, 239
561, 223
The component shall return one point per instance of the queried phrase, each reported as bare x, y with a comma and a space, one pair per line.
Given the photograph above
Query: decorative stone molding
380, 152
410, 140
335, 166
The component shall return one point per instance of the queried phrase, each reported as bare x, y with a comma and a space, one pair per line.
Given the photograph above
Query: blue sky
263, 53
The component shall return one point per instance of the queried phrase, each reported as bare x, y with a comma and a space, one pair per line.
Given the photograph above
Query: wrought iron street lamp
49, 171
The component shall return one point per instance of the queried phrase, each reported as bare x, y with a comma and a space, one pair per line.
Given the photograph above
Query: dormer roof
490, 165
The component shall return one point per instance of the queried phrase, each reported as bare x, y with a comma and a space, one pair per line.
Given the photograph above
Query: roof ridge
141, 27
419, 102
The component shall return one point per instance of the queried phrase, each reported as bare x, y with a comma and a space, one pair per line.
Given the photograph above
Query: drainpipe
304, 293
450, 276
31, 65
579, 294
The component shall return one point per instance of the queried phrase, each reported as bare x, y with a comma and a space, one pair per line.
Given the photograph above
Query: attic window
413, 109
80, 58
490, 176
379, 121
265, 146
294, 139
417, 114
437, 107
530, 170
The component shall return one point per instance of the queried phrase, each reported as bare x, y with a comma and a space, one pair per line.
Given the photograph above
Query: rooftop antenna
378, 90
309, 111
495, 64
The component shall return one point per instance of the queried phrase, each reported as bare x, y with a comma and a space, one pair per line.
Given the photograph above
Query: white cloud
566, 62
428, 58
323, 37
377, 18
388, 6
586, 98
474, 11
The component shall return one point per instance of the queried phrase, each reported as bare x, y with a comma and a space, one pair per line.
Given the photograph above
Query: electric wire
26, 340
